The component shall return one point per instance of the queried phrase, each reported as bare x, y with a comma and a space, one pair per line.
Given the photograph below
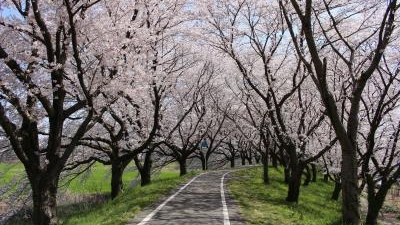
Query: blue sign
204, 144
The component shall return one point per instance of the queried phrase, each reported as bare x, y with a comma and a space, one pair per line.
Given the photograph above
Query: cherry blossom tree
184, 126
48, 82
359, 40
145, 62
380, 132
219, 107
331, 168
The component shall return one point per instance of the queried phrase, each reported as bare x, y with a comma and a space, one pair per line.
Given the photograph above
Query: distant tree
255, 42
184, 126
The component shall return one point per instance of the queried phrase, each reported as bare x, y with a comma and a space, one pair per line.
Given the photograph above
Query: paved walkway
200, 201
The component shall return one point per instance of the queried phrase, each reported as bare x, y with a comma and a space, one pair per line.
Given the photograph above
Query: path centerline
148, 217
224, 206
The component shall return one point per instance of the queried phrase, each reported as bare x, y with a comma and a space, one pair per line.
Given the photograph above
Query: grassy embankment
115, 212
265, 204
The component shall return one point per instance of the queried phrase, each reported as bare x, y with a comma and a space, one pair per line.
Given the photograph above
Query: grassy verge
264, 204
96, 180
10, 171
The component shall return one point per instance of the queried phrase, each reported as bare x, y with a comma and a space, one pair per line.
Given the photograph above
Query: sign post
203, 149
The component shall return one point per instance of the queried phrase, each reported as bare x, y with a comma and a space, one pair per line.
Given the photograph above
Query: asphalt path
202, 200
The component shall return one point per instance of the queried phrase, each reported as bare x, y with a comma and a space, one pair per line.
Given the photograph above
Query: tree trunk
274, 157
308, 176
285, 165
117, 170
375, 202
372, 214
44, 196
336, 191
286, 172
145, 176
250, 160
266, 169
203, 163
350, 195
274, 160
326, 178
232, 162
243, 161
314, 172
296, 169
362, 186
145, 170
294, 184
182, 166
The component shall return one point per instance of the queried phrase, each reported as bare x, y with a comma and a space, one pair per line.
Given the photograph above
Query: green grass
265, 204
10, 171
98, 179
11, 176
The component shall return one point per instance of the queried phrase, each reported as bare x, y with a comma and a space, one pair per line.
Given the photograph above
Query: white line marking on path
148, 217
224, 207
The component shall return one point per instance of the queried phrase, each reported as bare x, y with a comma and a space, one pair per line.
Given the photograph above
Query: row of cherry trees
313, 74
294, 83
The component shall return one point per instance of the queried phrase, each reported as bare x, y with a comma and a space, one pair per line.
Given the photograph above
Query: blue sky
7, 12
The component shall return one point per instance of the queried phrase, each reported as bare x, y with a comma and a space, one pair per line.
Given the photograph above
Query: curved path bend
203, 200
